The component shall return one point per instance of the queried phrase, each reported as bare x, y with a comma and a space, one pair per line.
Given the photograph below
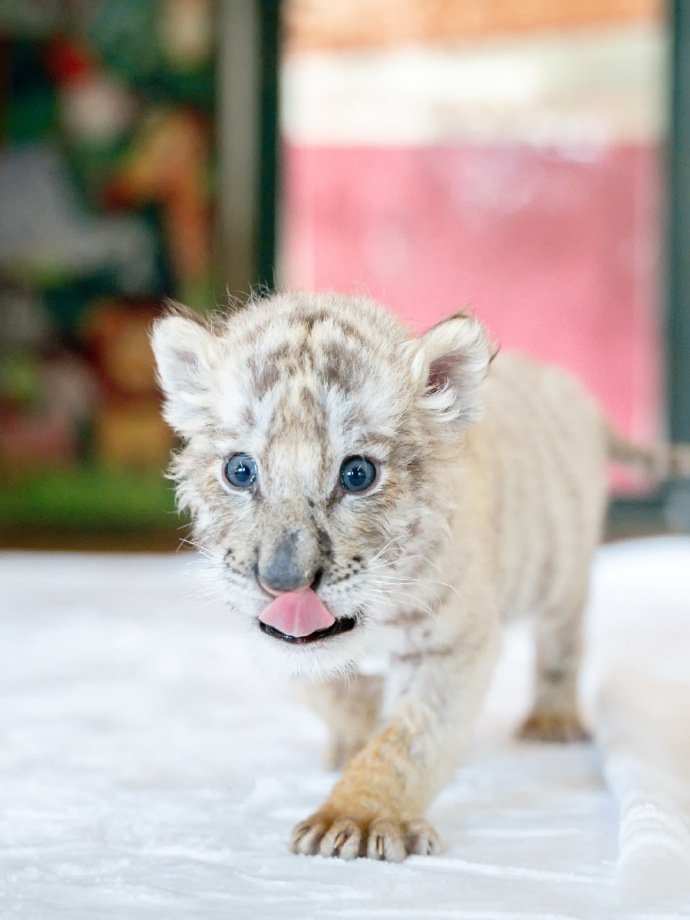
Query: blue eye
357, 474
240, 471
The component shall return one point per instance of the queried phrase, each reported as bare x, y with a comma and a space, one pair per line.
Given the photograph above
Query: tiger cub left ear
450, 362
186, 350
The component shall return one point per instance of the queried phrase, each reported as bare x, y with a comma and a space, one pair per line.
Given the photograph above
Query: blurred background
525, 161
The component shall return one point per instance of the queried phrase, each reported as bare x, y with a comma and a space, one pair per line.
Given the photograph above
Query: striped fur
488, 506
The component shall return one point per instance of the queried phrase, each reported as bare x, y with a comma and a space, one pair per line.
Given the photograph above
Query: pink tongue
297, 613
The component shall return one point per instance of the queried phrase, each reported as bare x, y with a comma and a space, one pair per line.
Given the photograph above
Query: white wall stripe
585, 87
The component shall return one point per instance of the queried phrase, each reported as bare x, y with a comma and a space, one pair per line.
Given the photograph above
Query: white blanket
640, 680
148, 769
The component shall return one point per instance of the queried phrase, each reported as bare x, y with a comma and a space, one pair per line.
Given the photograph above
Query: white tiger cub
354, 483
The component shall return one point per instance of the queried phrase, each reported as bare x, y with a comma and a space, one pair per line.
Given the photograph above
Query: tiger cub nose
285, 572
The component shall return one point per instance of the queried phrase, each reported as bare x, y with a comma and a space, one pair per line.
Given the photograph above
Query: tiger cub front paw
383, 838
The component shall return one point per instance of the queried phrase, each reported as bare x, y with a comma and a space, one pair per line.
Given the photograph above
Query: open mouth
344, 624
300, 617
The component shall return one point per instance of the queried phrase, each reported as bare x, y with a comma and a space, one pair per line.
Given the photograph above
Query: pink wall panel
555, 249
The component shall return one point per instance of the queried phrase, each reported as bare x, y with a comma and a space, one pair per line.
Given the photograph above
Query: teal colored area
30, 106
128, 38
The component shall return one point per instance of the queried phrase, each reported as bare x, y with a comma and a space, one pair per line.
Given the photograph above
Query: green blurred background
107, 184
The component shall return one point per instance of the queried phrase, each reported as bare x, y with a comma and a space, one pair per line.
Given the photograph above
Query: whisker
383, 595
386, 547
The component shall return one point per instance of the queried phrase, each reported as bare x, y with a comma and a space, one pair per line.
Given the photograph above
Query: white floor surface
149, 769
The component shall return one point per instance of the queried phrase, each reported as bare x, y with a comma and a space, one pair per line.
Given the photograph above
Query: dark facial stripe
406, 618
416, 657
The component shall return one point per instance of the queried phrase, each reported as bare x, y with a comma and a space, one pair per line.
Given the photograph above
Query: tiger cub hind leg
554, 715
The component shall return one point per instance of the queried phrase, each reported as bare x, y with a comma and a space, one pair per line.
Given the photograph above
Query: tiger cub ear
449, 364
186, 352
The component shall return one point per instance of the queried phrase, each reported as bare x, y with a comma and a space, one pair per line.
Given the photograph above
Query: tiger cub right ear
186, 351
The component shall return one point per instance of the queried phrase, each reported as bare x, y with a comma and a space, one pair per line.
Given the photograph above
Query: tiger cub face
317, 433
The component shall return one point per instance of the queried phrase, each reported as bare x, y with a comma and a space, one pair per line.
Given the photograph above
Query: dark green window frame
669, 506
248, 43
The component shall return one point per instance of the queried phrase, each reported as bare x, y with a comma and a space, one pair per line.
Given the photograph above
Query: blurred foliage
106, 173
92, 499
